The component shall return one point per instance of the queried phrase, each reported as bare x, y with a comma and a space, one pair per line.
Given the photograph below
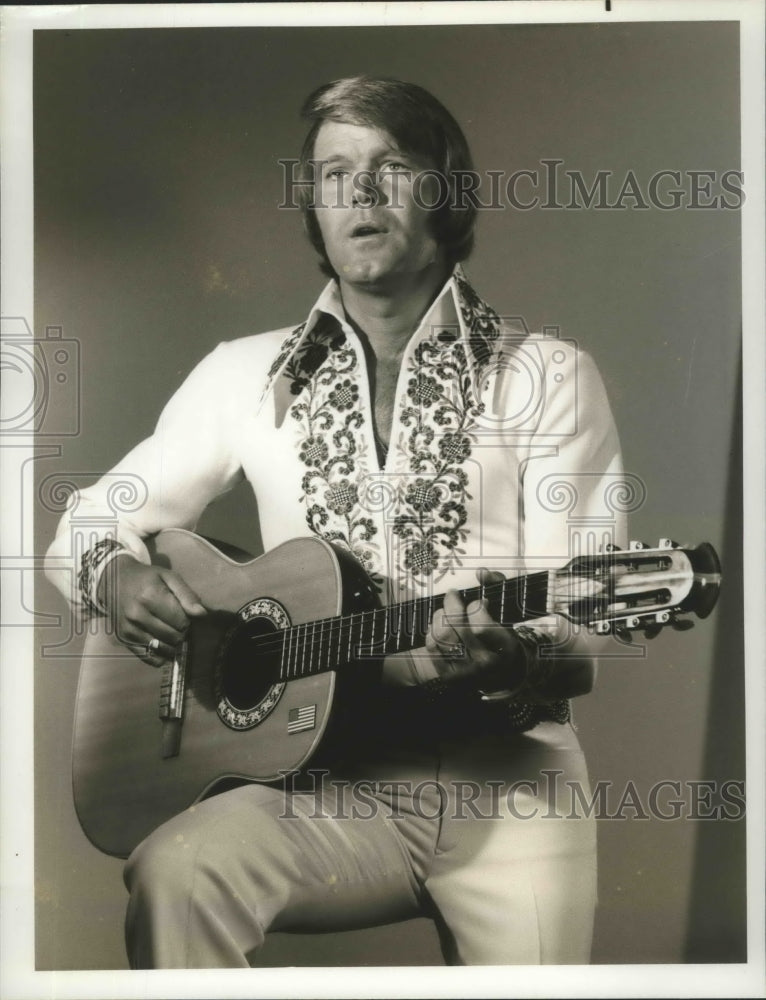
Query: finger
137, 639
447, 622
139, 624
453, 611
152, 651
488, 576
160, 601
186, 597
489, 641
445, 643
158, 628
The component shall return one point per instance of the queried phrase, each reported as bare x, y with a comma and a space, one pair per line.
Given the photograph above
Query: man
404, 422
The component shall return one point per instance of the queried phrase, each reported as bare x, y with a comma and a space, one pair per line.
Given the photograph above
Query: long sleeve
165, 481
575, 494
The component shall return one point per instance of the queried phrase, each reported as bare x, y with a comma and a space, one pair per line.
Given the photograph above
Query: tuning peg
611, 547
623, 635
682, 624
635, 546
667, 543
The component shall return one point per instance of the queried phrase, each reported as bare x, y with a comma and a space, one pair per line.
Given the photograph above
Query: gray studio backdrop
158, 234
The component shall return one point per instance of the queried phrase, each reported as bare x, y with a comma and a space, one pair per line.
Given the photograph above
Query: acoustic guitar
290, 641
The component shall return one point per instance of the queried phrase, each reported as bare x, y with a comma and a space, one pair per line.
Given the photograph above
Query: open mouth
366, 229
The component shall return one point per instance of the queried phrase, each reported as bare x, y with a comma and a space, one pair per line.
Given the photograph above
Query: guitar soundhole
247, 672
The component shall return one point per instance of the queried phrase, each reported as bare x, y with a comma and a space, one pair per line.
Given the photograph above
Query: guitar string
341, 622
534, 585
330, 628
337, 624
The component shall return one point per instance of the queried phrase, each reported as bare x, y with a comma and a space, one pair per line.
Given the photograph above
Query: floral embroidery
323, 374
87, 579
311, 355
481, 320
344, 396
440, 410
438, 417
287, 348
314, 451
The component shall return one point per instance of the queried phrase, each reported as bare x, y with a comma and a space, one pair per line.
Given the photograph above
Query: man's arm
98, 558
546, 660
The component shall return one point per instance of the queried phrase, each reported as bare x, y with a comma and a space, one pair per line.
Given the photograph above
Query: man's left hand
465, 640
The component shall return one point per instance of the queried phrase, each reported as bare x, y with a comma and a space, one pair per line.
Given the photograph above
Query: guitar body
283, 668
133, 770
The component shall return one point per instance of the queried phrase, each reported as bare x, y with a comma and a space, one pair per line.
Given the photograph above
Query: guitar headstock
638, 587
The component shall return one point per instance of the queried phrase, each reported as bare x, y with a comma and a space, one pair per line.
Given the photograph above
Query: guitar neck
332, 643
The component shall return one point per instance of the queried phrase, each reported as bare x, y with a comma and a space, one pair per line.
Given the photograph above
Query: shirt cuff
92, 565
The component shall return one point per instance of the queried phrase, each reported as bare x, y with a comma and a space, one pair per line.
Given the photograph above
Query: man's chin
367, 273
380, 275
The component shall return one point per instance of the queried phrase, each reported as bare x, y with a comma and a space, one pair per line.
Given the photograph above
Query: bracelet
93, 560
433, 690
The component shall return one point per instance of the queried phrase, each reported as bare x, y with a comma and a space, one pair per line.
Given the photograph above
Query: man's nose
365, 192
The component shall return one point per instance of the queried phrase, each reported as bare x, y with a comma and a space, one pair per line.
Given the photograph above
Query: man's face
375, 233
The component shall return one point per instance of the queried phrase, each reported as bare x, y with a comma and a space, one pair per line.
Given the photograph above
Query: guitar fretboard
332, 643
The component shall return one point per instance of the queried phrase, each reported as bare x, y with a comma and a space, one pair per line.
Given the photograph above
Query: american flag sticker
299, 719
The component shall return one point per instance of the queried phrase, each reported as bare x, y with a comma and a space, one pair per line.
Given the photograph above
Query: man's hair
419, 124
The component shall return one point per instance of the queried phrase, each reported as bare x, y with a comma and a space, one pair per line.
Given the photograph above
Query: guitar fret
336, 657
328, 644
371, 618
321, 641
289, 641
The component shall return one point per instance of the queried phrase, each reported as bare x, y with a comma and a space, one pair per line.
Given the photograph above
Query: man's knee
164, 861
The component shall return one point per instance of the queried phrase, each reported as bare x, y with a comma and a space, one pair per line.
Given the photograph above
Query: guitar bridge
171, 705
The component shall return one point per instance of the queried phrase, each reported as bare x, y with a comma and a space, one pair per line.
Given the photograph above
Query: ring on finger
152, 647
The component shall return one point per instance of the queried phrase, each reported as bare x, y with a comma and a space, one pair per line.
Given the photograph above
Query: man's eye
336, 172
395, 165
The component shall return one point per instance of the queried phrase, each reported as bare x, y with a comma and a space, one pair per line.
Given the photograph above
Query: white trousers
492, 839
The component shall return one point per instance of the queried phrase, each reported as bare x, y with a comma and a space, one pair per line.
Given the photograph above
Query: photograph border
18, 976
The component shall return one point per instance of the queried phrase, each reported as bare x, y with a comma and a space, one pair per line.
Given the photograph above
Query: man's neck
388, 316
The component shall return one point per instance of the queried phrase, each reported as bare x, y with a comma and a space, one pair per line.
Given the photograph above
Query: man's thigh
207, 885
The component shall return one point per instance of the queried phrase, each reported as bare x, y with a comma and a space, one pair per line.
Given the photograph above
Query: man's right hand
148, 603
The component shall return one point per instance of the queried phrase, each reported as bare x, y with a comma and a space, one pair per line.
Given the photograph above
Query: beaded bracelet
92, 567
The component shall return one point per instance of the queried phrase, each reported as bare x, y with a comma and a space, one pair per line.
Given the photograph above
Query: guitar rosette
247, 687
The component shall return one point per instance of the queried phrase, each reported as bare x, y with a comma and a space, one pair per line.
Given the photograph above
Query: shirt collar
457, 312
